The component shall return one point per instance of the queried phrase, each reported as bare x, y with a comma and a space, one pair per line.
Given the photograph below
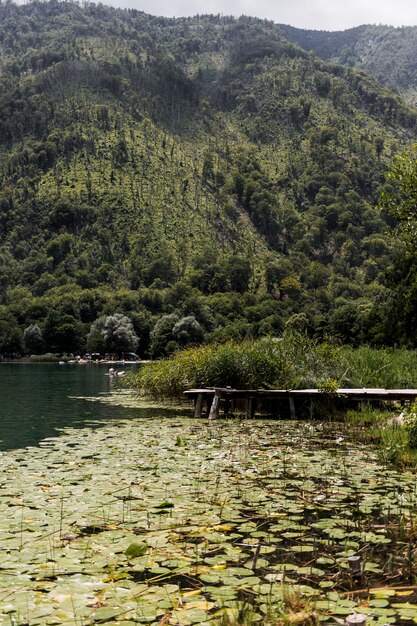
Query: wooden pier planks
215, 396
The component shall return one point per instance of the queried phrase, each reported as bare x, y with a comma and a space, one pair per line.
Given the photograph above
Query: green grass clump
46, 358
291, 362
395, 437
410, 424
385, 368
366, 416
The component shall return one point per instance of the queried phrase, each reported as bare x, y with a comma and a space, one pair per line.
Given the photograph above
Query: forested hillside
203, 176
388, 54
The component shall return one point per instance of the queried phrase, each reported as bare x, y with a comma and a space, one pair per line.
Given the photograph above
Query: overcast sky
314, 14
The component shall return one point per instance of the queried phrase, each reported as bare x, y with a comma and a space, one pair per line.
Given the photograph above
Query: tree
10, 334
63, 332
345, 323
188, 331
162, 335
114, 333
33, 339
399, 197
396, 319
239, 272
95, 338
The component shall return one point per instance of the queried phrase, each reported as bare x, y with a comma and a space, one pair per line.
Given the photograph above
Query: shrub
290, 362
410, 424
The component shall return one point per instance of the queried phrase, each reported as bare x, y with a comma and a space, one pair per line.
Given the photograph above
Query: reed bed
291, 362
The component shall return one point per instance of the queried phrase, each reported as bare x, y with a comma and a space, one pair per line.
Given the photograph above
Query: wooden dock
208, 402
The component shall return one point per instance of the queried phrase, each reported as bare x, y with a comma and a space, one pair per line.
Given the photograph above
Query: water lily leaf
288, 567
136, 549
310, 571
210, 578
341, 610
302, 548
379, 603
371, 567
199, 604
386, 612
259, 563
323, 560
405, 605
230, 508
221, 593
106, 612
190, 594
408, 592
384, 592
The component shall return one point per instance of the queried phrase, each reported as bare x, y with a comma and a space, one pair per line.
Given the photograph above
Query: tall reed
386, 368
289, 362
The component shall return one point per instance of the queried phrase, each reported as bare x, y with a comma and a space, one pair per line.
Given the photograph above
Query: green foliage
394, 444
384, 368
328, 387
399, 199
366, 416
410, 423
33, 339
113, 333
149, 166
399, 196
294, 361
11, 340
188, 331
46, 358
63, 332
135, 550
162, 336
385, 52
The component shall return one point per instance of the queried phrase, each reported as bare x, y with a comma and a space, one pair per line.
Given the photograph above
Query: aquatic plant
246, 524
289, 362
410, 425
386, 368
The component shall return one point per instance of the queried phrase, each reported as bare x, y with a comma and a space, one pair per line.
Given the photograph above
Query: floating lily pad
135, 550
135, 523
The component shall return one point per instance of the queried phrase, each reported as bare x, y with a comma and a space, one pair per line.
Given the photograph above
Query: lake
37, 400
137, 514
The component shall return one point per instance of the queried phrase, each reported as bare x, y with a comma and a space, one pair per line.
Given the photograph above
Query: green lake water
37, 400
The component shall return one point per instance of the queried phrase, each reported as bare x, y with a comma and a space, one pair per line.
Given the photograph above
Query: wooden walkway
209, 401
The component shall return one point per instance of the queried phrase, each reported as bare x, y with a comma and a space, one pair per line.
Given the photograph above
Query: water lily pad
231, 510
136, 549
379, 603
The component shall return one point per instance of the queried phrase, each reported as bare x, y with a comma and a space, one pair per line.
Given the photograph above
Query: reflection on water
36, 400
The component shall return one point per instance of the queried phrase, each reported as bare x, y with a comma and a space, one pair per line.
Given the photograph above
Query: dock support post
214, 410
292, 407
198, 405
250, 407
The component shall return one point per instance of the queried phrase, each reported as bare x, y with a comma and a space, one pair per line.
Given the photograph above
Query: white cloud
314, 14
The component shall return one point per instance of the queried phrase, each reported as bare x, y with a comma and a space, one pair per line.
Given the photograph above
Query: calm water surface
36, 400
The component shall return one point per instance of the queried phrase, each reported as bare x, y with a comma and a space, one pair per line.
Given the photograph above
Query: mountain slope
388, 54
136, 152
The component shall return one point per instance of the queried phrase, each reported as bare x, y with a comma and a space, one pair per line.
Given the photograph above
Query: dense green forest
385, 52
173, 181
